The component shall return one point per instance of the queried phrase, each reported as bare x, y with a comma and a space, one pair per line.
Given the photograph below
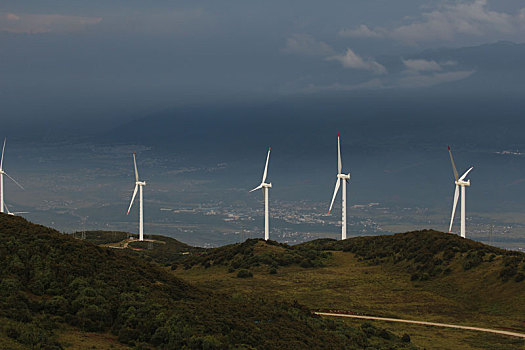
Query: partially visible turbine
265, 188
344, 178
14, 213
138, 185
460, 182
2, 173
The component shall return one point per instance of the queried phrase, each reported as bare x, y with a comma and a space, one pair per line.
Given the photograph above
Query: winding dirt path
497, 331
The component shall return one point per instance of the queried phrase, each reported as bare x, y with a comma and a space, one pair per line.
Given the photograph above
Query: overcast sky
121, 59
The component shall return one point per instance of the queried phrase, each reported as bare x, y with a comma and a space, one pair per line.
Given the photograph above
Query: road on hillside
514, 334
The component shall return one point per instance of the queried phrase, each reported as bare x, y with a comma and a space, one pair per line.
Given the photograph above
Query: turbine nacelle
140, 183
462, 183
343, 176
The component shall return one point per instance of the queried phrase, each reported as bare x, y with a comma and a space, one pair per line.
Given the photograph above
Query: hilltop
52, 283
255, 253
426, 254
164, 250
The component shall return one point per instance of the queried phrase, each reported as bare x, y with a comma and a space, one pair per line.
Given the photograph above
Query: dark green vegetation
424, 275
164, 250
50, 282
257, 252
427, 254
102, 237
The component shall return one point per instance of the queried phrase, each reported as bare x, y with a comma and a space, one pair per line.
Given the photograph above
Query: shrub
244, 274
508, 272
306, 263
519, 277
128, 335
405, 338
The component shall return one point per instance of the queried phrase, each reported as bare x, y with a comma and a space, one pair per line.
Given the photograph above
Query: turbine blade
466, 173
453, 165
132, 198
136, 171
2, 160
6, 208
266, 166
456, 196
339, 163
6, 174
256, 188
337, 184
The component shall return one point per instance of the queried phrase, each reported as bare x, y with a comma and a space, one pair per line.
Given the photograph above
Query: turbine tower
2, 173
138, 185
340, 178
265, 187
460, 182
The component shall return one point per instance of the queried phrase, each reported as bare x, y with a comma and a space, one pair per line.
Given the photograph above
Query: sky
204, 87
105, 62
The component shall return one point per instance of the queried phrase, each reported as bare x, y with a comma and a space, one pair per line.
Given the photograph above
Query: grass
346, 283
75, 339
427, 337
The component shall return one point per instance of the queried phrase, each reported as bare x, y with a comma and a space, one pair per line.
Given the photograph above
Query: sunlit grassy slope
422, 275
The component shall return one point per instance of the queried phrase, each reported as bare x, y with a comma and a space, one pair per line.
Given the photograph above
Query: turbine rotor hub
463, 183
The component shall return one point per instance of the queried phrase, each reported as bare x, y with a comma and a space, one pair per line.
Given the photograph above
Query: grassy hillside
423, 275
255, 253
164, 250
427, 254
53, 285
102, 237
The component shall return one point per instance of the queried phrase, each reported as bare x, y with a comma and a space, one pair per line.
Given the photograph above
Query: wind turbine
344, 178
138, 185
14, 213
2, 173
459, 182
265, 187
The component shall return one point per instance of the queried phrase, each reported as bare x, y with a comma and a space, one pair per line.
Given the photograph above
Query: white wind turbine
459, 182
2, 173
138, 185
344, 178
265, 187
14, 213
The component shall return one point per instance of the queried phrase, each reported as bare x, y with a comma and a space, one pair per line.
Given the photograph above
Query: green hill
163, 250
51, 283
257, 252
423, 275
427, 254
